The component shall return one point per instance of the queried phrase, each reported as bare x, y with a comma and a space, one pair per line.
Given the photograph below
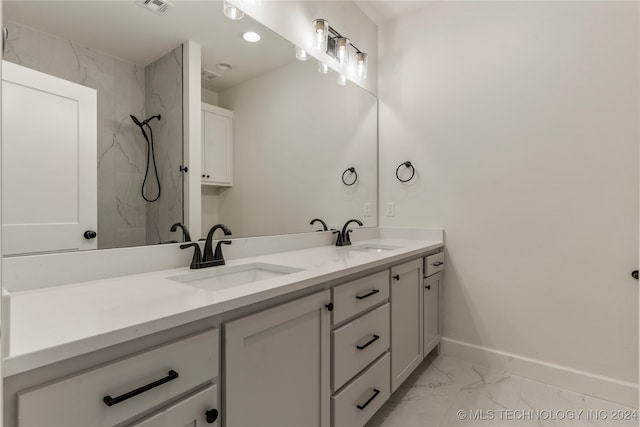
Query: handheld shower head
136, 121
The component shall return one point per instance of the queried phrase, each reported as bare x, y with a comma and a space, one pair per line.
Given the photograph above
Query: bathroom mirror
296, 132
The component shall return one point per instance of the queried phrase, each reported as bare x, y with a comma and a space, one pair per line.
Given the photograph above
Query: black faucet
185, 232
343, 236
324, 224
209, 258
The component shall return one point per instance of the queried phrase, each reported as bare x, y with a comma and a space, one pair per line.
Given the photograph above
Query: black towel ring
353, 172
408, 165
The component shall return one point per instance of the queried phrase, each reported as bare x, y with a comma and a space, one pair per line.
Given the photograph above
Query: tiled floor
446, 391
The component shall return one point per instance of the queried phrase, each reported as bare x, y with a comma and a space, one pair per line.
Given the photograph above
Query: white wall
294, 133
209, 96
522, 121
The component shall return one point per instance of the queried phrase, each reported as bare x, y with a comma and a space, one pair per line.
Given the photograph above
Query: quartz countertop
53, 324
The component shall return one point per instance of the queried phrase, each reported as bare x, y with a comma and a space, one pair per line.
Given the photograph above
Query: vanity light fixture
251, 36
331, 42
320, 33
323, 68
302, 54
231, 12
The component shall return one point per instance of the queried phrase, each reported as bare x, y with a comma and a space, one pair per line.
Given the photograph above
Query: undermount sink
217, 278
373, 248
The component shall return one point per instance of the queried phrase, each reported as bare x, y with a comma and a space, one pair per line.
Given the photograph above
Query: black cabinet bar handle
374, 339
428, 287
438, 263
110, 401
373, 292
397, 277
375, 393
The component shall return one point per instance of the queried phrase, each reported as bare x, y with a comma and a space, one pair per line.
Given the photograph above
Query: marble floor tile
448, 392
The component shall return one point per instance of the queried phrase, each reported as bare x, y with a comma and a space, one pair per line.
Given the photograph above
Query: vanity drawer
357, 403
354, 297
172, 370
358, 343
433, 264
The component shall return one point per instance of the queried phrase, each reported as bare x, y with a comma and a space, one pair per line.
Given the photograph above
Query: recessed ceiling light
251, 37
223, 67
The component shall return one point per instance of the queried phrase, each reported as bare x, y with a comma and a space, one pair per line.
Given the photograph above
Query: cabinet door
431, 312
277, 366
49, 172
199, 410
406, 320
217, 146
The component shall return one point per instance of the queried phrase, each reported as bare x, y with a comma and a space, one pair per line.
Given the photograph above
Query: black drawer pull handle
438, 263
428, 287
375, 393
397, 277
373, 292
110, 401
374, 339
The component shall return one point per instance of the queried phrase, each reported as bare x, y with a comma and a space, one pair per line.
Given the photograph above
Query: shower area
124, 89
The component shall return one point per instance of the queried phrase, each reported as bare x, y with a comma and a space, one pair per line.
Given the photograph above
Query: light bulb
320, 33
362, 60
342, 51
232, 12
323, 68
302, 54
342, 80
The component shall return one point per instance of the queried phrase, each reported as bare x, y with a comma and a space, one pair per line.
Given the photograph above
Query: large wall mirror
296, 133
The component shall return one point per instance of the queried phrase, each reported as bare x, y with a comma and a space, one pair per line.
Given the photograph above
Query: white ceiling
128, 31
381, 11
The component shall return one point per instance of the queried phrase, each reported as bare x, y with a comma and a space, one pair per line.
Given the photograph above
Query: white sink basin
217, 278
373, 248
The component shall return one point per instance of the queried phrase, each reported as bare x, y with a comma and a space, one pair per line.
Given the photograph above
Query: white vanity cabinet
406, 320
431, 327
277, 366
217, 146
360, 349
178, 378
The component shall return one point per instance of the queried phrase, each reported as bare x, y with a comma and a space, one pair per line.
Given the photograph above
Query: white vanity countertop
52, 324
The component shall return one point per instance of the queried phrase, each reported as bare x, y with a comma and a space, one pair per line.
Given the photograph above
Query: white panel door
217, 145
277, 366
406, 320
49, 172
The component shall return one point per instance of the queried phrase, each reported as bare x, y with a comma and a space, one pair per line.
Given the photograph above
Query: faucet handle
217, 256
197, 254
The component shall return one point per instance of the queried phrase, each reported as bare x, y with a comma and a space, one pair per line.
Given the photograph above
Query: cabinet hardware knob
203, 175
110, 401
368, 343
90, 234
373, 292
208, 176
438, 264
365, 404
634, 274
329, 306
211, 416
428, 287
397, 277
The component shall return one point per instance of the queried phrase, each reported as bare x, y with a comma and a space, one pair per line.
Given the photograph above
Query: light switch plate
391, 209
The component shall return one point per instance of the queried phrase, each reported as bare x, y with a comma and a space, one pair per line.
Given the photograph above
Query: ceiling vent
208, 74
158, 7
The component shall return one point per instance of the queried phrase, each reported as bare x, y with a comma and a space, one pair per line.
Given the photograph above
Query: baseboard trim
622, 392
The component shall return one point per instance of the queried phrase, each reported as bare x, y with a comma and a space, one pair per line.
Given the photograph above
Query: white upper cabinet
217, 146
49, 172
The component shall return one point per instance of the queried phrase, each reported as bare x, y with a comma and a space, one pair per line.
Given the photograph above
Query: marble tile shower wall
163, 82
